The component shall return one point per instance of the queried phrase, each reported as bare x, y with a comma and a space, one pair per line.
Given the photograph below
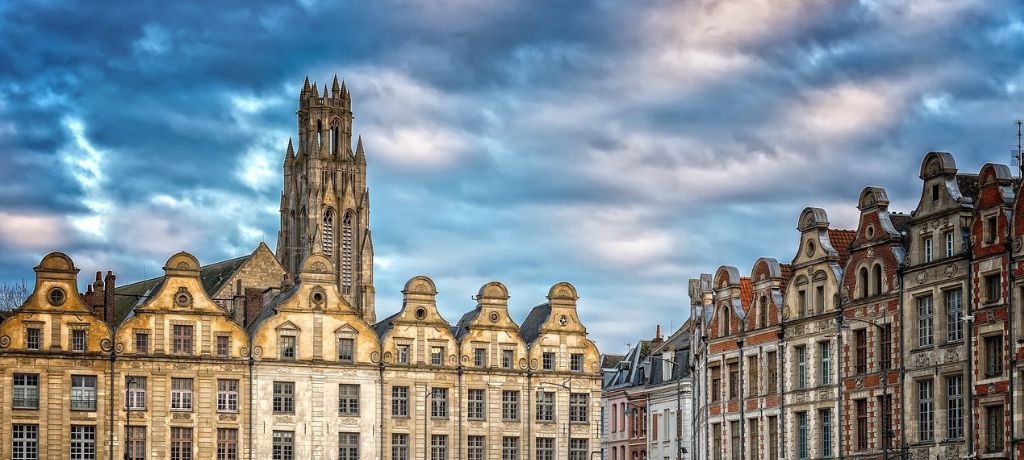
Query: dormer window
762, 312
181, 339
990, 230
402, 354
33, 338
286, 347
725, 320
346, 350
935, 192
78, 340
928, 249
437, 356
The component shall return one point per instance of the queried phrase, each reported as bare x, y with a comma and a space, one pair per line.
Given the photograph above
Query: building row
303, 375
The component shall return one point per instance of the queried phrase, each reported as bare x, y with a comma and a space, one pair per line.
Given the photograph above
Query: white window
286, 347
801, 366
439, 403
284, 445
26, 391
954, 325
346, 350
924, 321
83, 392
948, 236
181, 394
437, 356
24, 442
135, 397
578, 405
348, 446
348, 399
83, 442
546, 406
928, 249
510, 406
476, 402
402, 354
926, 406
438, 447
399, 446
78, 340
507, 356
227, 395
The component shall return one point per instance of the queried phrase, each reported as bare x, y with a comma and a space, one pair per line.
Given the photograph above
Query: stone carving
952, 355
136, 414
950, 270
859, 383
823, 394
922, 277
181, 416
547, 427
922, 359
182, 266
5, 341
228, 418
522, 363
119, 348
136, 365
27, 361
349, 421
257, 352
244, 351
319, 267
182, 366
183, 298
404, 422
105, 344
284, 420
375, 356
1018, 244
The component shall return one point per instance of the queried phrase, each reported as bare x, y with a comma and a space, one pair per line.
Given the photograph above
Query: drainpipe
1010, 341
252, 365
529, 416
110, 433
707, 408
781, 386
381, 406
743, 419
965, 234
458, 412
903, 367
839, 375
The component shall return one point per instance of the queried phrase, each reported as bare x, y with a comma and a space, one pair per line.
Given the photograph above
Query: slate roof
609, 360
383, 326
530, 329
900, 222
841, 241
968, 185
270, 309
462, 328
213, 277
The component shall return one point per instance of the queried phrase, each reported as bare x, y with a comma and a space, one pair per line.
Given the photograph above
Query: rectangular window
181, 339
546, 406
993, 290
885, 432
885, 348
348, 399
990, 230
755, 437
227, 444
181, 443
223, 345
752, 368
33, 338
475, 448
578, 449
826, 432
83, 442
548, 361
24, 442
402, 354
510, 406
734, 381
136, 445
801, 296
927, 250
924, 321
801, 440
925, 409
825, 354
954, 307
773, 438
26, 391
545, 448
480, 357
286, 347
346, 350
135, 398
716, 441
348, 446
400, 401
955, 406
801, 366
716, 383
141, 342
399, 446
438, 447
439, 403
227, 395
475, 401
994, 429
284, 398
734, 441
772, 377
507, 356
862, 424
576, 362
819, 298
78, 340
578, 405
509, 448
181, 394
860, 340
284, 445
948, 237
437, 356
83, 392
993, 355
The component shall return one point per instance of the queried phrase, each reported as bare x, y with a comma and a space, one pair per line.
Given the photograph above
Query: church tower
325, 205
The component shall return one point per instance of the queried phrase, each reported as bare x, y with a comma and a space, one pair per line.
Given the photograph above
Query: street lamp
679, 392
567, 384
428, 394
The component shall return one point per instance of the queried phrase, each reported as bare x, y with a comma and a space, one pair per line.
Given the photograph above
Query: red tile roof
841, 241
746, 292
787, 271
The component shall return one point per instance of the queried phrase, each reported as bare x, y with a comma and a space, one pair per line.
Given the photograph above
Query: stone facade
278, 356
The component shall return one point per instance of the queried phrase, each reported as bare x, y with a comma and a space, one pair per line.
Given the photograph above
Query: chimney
657, 334
108, 297
253, 305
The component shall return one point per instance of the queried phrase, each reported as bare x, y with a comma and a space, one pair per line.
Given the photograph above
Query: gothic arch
347, 240
327, 232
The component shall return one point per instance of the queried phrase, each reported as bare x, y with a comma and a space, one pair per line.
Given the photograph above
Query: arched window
327, 239
346, 254
862, 281
725, 321
762, 312
877, 278
319, 135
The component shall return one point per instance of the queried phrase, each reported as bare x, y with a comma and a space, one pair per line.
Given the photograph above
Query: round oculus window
318, 297
563, 320
810, 248
870, 231
494, 317
56, 297
421, 313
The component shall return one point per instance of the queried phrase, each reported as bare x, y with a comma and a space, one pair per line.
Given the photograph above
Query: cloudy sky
622, 146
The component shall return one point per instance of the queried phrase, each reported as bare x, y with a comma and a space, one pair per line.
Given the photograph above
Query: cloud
623, 147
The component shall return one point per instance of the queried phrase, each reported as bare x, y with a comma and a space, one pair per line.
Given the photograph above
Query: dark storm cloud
622, 147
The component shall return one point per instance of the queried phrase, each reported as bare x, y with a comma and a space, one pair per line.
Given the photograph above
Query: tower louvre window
328, 236
346, 254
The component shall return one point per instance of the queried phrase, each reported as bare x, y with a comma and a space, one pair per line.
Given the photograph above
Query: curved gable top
56, 270
766, 268
811, 218
937, 164
872, 197
182, 289
725, 276
995, 173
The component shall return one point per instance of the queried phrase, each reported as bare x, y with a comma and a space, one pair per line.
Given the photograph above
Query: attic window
990, 230
421, 313
56, 297
935, 192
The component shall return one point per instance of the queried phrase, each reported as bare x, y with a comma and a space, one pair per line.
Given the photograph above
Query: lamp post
128, 384
887, 414
428, 394
679, 392
567, 384
965, 234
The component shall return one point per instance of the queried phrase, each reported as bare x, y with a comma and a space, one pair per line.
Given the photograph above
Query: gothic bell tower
325, 205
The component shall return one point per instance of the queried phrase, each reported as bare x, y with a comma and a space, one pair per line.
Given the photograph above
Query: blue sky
622, 146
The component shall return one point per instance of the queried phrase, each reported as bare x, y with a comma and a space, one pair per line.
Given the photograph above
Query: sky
625, 147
